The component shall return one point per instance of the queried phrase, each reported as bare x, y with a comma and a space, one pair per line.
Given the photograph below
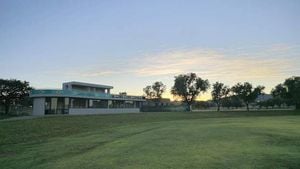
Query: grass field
154, 140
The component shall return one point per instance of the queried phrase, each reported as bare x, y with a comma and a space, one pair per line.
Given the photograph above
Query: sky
131, 44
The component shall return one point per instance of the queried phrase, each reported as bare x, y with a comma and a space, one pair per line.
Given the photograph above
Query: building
83, 98
263, 97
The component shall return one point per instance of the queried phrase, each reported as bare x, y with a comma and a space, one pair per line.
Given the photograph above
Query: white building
83, 98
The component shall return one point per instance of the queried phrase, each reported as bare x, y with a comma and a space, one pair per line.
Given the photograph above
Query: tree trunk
218, 107
189, 107
6, 106
247, 104
298, 106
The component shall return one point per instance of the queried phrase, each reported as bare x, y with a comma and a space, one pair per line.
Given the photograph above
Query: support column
38, 106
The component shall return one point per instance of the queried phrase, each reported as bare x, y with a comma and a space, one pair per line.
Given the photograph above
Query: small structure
83, 98
263, 97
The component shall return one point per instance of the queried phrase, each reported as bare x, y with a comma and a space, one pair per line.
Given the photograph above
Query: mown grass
154, 140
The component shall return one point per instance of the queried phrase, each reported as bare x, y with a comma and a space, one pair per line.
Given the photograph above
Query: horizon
132, 44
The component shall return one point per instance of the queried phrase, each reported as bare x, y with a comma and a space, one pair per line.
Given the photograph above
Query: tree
279, 94
279, 91
188, 87
148, 92
246, 92
13, 91
232, 101
289, 90
219, 92
159, 88
155, 91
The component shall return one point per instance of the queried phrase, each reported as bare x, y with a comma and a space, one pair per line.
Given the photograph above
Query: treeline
188, 87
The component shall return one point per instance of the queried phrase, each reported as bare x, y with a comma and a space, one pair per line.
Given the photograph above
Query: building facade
83, 98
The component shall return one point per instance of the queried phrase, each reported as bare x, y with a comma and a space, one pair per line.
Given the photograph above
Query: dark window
54, 105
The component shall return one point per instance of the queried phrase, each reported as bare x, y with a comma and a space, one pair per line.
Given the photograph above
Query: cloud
95, 74
213, 64
260, 65
252, 64
174, 62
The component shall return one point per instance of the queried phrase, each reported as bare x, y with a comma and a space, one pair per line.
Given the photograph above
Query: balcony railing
75, 93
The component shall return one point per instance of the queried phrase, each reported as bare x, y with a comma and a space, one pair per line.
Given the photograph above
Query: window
54, 105
79, 103
98, 104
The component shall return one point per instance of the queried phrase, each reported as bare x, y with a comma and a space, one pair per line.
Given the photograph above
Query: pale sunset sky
130, 44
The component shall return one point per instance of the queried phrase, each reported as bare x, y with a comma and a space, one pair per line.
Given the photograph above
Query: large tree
188, 87
289, 90
247, 92
279, 94
155, 90
279, 91
13, 91
219, 92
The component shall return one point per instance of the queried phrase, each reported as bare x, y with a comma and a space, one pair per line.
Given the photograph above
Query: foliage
159, 88
155, 91
232, 101
13, 92
289, 90
219, 92
148, 92
246, 92
279, 91
188, 87
202, 104
123, 93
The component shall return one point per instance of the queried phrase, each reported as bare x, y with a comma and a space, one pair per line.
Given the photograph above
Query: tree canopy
13, 91
155, 90
246, 92
188, 87
289, 90
219, 92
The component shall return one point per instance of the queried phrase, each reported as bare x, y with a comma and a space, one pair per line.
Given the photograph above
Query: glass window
129, 104
79, 103
66, 103
98, 103
118, 104
110, 104
53, 105
47, 105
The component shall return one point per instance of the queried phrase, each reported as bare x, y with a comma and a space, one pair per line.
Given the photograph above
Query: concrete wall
38, 107
77, 111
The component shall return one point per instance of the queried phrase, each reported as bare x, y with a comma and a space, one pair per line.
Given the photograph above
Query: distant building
83, 98
263, 97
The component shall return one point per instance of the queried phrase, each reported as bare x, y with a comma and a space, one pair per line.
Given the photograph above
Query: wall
38, 107
77, 111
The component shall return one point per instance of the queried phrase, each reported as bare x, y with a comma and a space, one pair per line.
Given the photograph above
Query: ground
153, 140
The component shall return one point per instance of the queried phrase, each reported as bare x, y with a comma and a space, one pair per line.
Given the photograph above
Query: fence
17, 110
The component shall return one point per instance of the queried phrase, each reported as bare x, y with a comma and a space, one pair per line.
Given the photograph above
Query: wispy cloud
215, 64
266, 65
257, 63
92, 73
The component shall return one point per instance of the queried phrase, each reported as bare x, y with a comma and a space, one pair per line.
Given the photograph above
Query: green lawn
154, 140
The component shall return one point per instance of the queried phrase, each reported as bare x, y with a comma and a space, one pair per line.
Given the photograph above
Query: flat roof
89, 85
